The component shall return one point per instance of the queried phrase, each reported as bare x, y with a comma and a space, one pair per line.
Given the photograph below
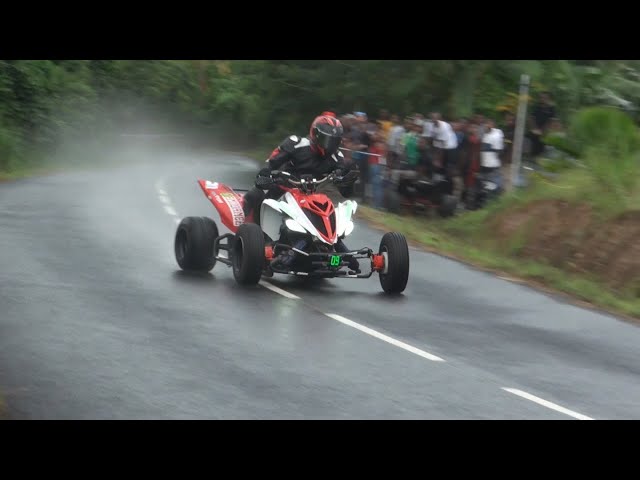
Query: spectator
418, 119
427, 127
394, 142
480, 122
410, 143
347, 122
460, 128
492, 146
385, 124
457, 160
471, 163
377, 154
425, 166
444, 144
372, 129
541, 114
509, 135
360, 142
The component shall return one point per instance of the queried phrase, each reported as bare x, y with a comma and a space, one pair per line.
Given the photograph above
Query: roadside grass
469, 238
26, 172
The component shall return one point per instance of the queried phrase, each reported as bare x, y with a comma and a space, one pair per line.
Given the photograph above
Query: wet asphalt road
97, 322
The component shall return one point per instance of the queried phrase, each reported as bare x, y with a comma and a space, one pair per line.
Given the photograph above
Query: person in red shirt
471, 164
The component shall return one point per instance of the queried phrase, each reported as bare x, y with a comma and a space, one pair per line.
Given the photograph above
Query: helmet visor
329, 143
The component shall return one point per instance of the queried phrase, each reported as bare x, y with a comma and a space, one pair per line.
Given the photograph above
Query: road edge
508, 276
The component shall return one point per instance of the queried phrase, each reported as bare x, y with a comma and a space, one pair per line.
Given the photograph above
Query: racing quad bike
414, 192
302, 227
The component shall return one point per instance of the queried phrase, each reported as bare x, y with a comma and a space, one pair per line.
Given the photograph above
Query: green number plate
335, 260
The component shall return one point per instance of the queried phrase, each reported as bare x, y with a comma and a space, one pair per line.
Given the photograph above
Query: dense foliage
43, 102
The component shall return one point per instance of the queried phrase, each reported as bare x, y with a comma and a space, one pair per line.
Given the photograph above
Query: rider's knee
252, 199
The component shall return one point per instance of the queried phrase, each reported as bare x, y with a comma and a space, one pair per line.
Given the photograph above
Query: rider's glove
264, 180
346, 178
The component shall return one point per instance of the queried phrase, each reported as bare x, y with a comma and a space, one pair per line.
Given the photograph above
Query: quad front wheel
395, 274
247, 254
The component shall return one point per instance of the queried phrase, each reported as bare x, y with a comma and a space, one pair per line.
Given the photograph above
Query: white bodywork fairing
286, 209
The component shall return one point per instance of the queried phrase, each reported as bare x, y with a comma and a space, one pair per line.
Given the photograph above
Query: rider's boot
285, 259
354, 265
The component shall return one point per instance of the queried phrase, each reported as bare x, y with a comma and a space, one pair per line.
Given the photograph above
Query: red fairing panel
227, 202
322, 206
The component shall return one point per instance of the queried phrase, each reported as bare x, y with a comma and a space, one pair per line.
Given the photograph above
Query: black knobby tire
448, 206
395, 246
248, 254
193, 244
394, 201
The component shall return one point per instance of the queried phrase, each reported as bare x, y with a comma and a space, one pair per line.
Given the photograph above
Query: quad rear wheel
193, 244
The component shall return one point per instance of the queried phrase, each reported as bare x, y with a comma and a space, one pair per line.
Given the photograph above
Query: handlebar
308, 183
303, 181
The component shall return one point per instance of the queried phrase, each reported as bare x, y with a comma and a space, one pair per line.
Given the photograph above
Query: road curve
97, 322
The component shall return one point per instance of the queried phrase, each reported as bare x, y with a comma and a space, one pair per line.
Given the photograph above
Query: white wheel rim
385, 255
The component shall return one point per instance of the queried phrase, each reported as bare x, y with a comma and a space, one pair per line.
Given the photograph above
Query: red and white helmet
326, 134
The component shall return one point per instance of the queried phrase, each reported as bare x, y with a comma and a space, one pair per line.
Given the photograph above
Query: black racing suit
297, 156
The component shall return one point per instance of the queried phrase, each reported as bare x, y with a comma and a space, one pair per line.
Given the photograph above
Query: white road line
547, 404
151, 135
166, 201
385, 338
357, 326
280, 291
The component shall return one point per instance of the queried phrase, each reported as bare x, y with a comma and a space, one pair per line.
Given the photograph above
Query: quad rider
316, 154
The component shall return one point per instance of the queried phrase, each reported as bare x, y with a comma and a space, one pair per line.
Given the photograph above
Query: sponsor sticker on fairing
235, 207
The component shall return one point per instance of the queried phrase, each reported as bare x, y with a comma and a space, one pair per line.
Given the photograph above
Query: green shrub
609, 145
563, 143
604, 128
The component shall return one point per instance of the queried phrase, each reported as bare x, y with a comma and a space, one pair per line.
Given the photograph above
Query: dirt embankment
571, 237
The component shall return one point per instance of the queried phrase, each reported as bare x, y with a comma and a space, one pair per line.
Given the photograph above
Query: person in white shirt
444, 141
492, 146
427, 128
440, 132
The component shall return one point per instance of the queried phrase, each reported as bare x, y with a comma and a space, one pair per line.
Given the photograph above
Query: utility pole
521, 121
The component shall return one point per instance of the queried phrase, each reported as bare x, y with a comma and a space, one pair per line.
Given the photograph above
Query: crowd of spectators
457, 148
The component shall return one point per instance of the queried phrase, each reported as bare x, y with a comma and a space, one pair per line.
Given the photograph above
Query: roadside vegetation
46, 105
